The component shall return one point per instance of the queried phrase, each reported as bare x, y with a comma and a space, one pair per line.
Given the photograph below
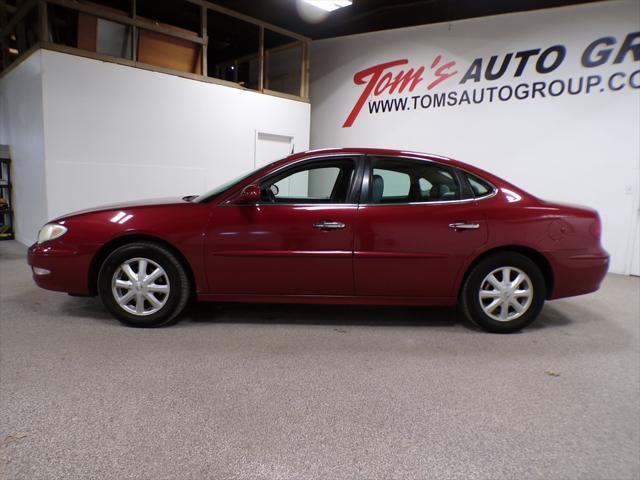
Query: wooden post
266, 69
205, 36
304, 75
261, 69
134, 31
43, 19
3, 45
3, 16
21, 36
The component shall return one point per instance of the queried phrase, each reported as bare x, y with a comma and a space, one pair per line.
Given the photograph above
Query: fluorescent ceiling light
329, 5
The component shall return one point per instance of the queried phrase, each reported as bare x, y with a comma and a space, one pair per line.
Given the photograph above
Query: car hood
152, 202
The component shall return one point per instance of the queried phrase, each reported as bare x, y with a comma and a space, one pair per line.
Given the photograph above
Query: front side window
319, 182
408, 181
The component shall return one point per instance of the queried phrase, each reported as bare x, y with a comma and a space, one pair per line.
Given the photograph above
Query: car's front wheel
503, 293
143, 285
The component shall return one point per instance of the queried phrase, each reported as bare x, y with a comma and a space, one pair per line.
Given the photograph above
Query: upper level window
233, 52
170, 36
480, 187
283, 59
324, 182
407, 181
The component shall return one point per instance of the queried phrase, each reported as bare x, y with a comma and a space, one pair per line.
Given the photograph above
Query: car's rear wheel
503, 293
143, 285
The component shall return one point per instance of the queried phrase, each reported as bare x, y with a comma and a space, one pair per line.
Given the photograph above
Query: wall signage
406, 87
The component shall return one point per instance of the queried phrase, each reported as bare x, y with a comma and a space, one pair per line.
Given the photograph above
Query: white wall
577, 148
21, 127
106, 133
118, 133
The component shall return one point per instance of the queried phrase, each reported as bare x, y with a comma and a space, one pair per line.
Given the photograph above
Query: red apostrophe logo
379, 79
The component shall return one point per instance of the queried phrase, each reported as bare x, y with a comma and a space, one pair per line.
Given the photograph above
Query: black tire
471, 303
176, 279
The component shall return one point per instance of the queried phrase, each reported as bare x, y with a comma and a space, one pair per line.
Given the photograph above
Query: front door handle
464, 226
328, 225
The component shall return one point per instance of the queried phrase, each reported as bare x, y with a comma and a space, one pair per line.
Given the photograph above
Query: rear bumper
60, 268
578, 273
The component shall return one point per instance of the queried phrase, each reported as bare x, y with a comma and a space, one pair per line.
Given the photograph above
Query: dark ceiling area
371, 15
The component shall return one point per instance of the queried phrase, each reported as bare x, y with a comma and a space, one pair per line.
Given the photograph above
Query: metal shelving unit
6, 209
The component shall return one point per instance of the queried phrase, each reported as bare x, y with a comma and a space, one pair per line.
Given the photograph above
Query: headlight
51, 231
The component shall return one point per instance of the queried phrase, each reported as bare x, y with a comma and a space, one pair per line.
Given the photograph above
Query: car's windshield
225, 186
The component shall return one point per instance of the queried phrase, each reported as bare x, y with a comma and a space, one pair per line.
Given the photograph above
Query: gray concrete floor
297, 392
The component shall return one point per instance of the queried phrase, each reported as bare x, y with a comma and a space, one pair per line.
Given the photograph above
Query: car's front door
416, 226
298, 240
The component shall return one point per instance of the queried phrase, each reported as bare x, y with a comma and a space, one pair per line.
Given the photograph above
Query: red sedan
341, 226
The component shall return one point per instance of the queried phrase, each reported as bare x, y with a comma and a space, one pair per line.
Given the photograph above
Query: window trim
455, 170
353, 193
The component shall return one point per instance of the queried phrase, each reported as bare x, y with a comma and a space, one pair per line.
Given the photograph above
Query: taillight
596, 228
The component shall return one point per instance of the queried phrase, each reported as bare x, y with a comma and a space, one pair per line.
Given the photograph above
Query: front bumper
67, 267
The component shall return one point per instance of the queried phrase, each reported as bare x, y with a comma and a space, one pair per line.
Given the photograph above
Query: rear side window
480, 187
397, 185
395, 180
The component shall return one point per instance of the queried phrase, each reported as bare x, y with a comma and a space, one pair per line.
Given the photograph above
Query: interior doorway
271, 147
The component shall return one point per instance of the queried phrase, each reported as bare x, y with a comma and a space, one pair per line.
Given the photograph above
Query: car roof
382, 152
369, 151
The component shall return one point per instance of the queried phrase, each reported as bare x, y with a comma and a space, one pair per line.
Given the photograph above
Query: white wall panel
86, 133
581, 148
118, 133
21, 127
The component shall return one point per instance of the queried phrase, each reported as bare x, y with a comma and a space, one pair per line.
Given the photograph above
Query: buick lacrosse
339, 226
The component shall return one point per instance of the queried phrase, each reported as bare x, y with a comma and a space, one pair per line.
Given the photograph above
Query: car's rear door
297, 241
416, 226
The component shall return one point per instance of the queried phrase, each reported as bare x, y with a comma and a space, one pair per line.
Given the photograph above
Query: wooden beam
304, 92
19, 60
261, 61
134, 31
266, 70
154, 27
126, 20
4, 14
247, 18
21, 35
285, 46
43, 21
205, 36
18, 16
3, 22
153, 68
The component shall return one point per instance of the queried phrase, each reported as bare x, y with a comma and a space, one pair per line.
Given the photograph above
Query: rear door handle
328, 225
464, 226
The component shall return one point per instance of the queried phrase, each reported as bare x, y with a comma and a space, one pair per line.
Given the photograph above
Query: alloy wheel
140, 286
506, 294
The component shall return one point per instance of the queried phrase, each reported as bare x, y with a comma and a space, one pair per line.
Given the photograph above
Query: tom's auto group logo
412, 87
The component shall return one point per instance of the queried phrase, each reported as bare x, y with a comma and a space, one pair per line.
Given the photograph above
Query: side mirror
250, 194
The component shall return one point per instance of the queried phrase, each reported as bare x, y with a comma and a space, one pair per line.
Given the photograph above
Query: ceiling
371, 15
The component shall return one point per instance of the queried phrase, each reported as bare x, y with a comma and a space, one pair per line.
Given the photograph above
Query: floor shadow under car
324, 314
302, 314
